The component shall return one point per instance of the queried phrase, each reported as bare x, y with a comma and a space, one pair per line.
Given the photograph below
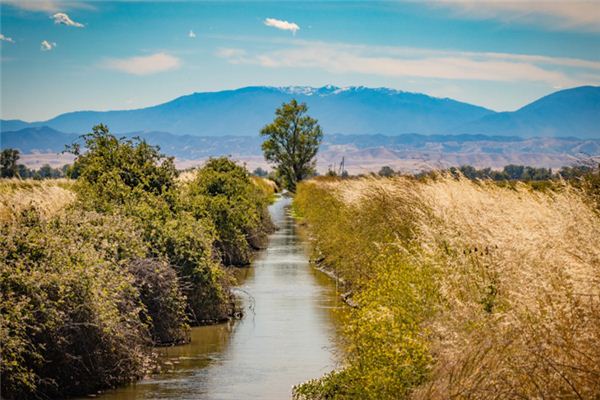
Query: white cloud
565, 14
283, 25
47, 46
191, 34
6, 39
64, 19
423, 63
145, 65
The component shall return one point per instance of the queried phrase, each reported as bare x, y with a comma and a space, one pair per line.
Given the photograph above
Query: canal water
287, 335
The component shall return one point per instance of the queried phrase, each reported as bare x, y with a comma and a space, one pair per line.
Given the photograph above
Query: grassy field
465, 289
47, 196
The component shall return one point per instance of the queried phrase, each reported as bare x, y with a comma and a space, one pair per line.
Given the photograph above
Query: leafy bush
132, 178
160, 292
187, 243
115, 172
88, 282
70, 311
224, 192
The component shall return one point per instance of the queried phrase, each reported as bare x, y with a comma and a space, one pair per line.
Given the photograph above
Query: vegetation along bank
96, 270
464, 288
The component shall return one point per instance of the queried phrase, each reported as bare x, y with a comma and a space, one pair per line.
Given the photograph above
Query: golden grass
268, 186
538, 254
519, 288
187, 175
48, 196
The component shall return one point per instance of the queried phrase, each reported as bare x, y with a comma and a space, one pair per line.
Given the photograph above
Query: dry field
48, 196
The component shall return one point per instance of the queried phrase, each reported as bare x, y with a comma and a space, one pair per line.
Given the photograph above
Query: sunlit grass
47, 196
466, 289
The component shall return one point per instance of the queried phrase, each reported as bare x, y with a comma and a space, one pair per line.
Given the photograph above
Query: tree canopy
8, 163
113, 168
293, 139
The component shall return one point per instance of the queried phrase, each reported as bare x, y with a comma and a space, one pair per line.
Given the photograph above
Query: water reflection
286, 336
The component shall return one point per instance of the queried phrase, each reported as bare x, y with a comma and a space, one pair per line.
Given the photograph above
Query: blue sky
60, 56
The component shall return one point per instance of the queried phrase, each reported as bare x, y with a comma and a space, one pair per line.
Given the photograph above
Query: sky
61, 56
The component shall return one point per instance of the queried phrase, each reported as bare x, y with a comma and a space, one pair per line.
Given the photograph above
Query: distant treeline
521, 173
10, 168
510, 172
45, 172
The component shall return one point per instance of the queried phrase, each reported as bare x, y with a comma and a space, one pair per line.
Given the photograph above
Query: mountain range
368, 128
362, 153
354, 110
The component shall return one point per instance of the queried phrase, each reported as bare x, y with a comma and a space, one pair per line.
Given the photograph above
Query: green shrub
160, 292
70, 311
224, 192
132, 178
88, 285
187, 243
114, 171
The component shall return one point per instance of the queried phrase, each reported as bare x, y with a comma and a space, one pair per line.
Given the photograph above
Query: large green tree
293, 139
8, 163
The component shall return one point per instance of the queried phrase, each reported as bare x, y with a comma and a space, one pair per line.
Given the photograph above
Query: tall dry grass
532, 260
517, 286
48, 196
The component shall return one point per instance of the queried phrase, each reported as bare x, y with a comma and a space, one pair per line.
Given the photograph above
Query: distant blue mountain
47, 140
354, 110
570, 112
241, 112
8, 125
39, 139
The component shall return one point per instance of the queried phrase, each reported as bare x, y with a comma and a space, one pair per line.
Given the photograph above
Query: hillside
571, 112
41, 139
241, 112
352, 110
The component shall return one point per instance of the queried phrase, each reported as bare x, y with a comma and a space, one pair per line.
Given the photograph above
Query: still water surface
286, 336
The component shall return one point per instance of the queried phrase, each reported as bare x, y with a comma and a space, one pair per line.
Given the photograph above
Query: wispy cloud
283, 25
47, 46
191, 34
47, 5
145, 65
64, 19
423, 63
33, 5
572, 14
6, 39
234, 56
